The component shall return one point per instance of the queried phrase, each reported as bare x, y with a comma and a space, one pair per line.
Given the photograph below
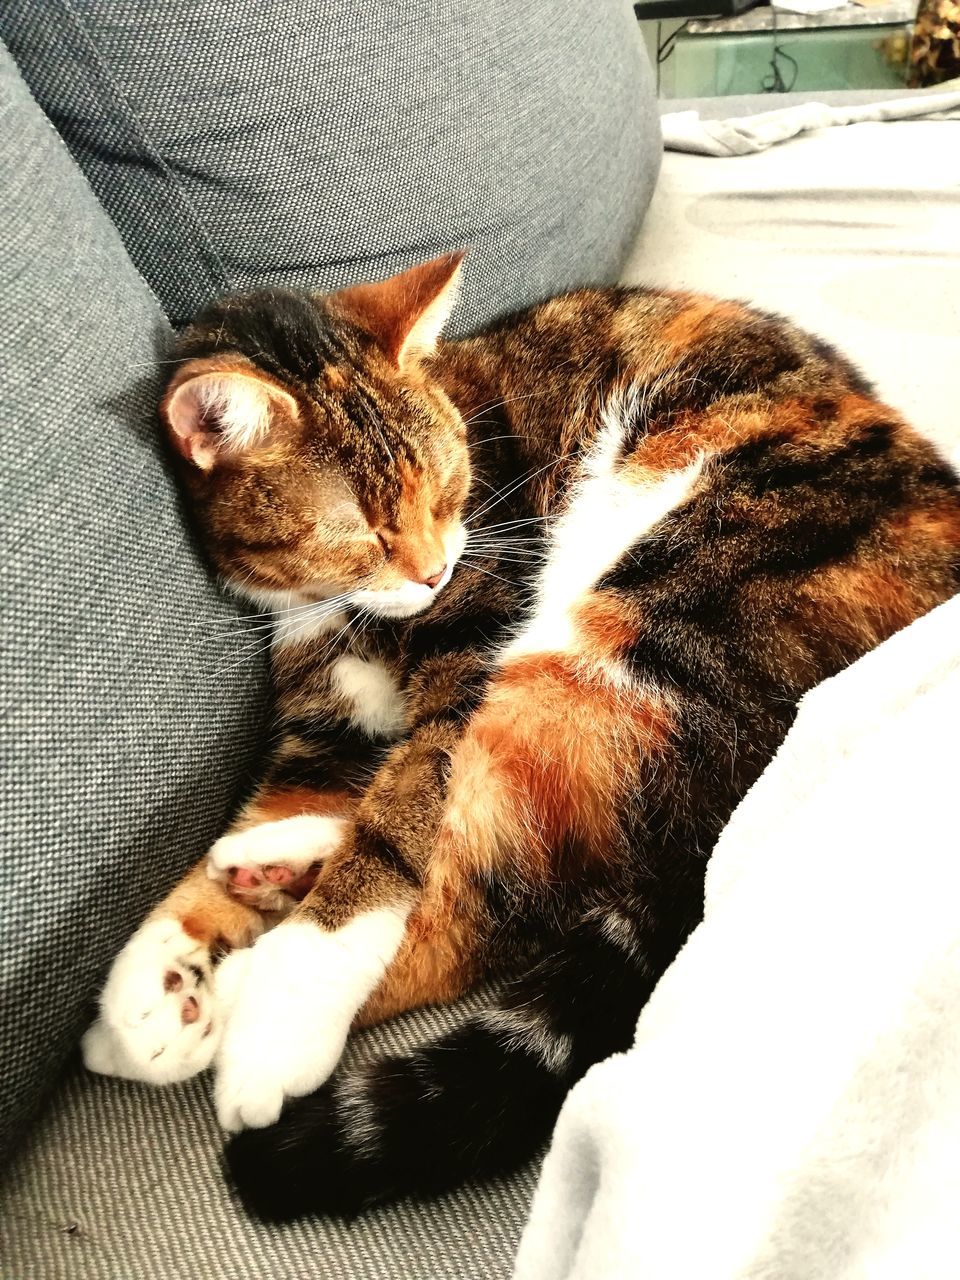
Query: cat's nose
431, 580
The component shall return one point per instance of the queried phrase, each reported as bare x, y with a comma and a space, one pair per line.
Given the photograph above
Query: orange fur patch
868, 601
334, 379
208, 913
685, 328
437, 961
292, 802
541, 768
939, 527
604, 625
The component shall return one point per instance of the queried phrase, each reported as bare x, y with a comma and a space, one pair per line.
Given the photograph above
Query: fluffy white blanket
791, 1107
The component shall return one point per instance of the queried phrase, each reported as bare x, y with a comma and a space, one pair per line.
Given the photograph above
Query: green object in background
726, 64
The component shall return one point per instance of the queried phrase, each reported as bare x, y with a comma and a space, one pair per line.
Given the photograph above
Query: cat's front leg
291, 1000
293, 996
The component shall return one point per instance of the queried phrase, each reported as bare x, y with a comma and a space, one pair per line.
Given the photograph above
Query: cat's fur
680, 515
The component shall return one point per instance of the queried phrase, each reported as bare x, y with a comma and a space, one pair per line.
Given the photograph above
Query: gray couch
153, 156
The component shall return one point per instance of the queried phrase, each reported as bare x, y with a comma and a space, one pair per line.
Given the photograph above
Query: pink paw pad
243, 877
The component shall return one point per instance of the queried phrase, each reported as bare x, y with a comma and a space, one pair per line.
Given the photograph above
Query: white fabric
738, 136
791, 1108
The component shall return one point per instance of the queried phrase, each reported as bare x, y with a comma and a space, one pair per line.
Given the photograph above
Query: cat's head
320, 457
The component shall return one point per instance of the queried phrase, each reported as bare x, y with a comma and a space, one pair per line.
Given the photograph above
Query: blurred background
716, 48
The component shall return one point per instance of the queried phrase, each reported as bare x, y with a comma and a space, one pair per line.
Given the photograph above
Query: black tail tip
295, 1168
250, 1164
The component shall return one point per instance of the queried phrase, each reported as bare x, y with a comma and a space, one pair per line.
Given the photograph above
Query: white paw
158, 1017
294, 995
275, 862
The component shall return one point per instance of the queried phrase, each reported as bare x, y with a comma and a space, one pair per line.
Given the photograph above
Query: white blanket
743, 135
791, 1107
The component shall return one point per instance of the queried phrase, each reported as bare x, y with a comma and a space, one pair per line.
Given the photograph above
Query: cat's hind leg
160, 1019
273, 864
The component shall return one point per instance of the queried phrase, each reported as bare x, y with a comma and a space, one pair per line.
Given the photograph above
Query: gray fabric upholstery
121, 735
318, 142
120, 1182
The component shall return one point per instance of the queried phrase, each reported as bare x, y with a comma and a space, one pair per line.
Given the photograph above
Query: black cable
665, 48
775, 83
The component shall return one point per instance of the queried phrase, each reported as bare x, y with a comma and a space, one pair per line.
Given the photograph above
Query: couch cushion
119, 1181
318, 142
122, 735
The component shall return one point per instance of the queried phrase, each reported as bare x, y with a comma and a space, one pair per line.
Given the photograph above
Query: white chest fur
611, 507
374, 700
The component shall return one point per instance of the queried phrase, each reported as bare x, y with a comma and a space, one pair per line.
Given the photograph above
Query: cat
545, 600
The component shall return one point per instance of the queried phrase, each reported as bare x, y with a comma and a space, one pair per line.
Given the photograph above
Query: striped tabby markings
527, 1030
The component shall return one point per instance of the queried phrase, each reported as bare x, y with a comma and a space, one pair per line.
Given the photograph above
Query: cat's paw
271, 865
282, 1037
291, 1000
158, 1016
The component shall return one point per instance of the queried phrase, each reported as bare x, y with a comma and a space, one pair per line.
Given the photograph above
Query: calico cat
545, 600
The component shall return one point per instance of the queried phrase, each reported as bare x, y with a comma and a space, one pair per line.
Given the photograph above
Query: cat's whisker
510, 435
247, 655
310, 610
329, 646
314, 612
517, 544
506, 541
523, 479
153, 364
306, 604
506, 529
505, 493
522, 532
521, 555
503, 557
506, 524
291, 633
238, 634
493, 405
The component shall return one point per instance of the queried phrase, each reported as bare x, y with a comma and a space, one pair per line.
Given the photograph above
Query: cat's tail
476, 1102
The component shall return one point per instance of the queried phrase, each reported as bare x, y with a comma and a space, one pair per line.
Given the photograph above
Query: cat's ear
406, 313
214, 412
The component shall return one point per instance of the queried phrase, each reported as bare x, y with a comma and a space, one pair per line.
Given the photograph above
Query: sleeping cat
545, 600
